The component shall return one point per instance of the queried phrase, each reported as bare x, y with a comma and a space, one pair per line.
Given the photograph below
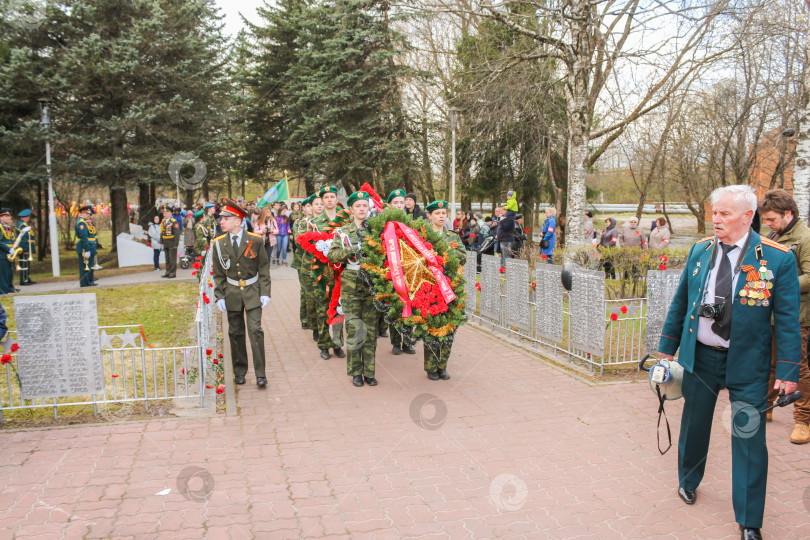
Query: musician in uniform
85, 245
733, 285
8, 236
242, 288
170, 238
28, 245
355, 296
436, 357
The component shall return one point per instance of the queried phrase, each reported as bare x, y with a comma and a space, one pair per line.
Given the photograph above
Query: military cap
327, 189
437, 205
25, 213
230, 208
5, 211
394, 194
198, 214
357, 196
86, 208
308, 200
210, 205
165, 208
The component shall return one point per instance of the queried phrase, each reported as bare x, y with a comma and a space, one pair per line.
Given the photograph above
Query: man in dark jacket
506, 235
412, 208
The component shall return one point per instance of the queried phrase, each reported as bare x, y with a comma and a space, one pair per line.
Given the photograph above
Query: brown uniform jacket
250, 261
799, 235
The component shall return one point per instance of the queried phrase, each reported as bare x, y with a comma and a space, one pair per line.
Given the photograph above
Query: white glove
265, 300
86, 254
221, 305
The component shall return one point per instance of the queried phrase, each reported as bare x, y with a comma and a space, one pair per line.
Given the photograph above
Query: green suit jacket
251, 260
749, 354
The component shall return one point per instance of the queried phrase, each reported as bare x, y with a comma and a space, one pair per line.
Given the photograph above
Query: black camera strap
661, 413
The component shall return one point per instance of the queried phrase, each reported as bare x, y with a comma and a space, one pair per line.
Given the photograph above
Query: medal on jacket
757, 288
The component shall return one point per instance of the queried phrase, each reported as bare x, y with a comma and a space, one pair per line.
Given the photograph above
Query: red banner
395, 264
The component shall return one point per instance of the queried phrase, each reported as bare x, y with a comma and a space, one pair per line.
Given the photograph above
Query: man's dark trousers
700, 390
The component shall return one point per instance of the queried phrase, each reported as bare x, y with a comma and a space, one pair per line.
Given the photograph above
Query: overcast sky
231, 10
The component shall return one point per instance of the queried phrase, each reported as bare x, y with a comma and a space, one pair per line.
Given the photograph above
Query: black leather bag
543, 244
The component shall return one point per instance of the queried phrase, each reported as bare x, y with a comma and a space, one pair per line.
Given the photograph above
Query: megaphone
666, 378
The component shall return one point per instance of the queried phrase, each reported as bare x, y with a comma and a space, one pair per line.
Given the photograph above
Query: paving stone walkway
510, 447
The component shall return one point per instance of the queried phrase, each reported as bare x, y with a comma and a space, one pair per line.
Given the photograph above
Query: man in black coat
506, 235
412, 208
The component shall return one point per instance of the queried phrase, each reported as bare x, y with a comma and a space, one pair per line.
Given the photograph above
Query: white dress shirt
705, 334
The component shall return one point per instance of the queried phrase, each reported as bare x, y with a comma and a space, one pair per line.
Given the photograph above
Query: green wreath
427, 322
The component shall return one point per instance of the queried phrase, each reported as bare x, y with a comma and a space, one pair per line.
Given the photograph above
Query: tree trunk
205, 191
801, 171
189, 199
577, 175
119, 218
230, 188
143, 205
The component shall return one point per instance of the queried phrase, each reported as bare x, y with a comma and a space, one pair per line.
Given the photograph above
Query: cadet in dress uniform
8, 235
361, 318
170, 238
85, 245
436, 360
751, 279
326, 340
242, 288
396, 199
300, 227
28, 244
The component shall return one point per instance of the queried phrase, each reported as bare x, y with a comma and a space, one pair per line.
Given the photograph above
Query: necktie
722, 294
236, 245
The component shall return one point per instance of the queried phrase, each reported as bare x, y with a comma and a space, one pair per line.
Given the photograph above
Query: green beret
357, 196
308, 200
327, 189
394, 194
436, 205
199, 213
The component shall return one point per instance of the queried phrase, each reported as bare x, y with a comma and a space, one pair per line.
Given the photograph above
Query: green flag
278, 192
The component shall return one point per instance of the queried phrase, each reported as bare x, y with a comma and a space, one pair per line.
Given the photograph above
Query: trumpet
96, 266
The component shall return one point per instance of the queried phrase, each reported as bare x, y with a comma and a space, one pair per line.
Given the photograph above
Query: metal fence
134, 371
579, 324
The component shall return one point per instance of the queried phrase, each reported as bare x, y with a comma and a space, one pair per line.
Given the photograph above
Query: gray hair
744, 196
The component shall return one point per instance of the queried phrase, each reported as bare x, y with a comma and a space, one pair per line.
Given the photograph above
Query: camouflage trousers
325, 339
309, 298
436, 357
302, 305
361, 332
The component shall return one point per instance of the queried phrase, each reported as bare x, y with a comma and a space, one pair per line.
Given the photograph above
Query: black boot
407, 349
383, 332
371, 381
433, 376
397, 351
357, 380
443, 375
315, 335
325, 354
305, 326
339, 352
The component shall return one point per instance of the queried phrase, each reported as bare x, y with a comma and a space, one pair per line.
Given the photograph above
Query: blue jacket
550, 234
749, 354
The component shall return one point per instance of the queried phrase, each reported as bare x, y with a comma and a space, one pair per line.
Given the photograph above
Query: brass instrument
96, 266
16, 250
86, 261
30, 251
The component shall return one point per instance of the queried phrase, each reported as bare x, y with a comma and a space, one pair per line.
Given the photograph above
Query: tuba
16, 250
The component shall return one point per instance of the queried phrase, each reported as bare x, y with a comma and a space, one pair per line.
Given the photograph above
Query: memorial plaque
549, 293
59, 351
518, 287
471, 278
661, 287
490, 279
587, 308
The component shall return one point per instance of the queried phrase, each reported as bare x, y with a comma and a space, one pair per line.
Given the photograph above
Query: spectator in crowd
486, 228
609, 238
154, 238
282, 238
520, 235
177, 214
475, 236
464, 231
496, 219
459, 221
188, 233
506, 235
412, 208
511, 203
590, 231
632, 235
659, 238
266, 227
549, 233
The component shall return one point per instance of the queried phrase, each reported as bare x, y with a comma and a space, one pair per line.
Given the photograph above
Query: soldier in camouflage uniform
326, 341
308, 288
355, 296
201, 237
436, 357
300, 227
399, 345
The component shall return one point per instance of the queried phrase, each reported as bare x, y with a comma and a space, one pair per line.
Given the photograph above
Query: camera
711, 311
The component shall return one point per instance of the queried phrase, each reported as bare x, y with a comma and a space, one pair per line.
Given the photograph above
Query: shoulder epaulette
777, 245
705, 239
220, 237
254, 234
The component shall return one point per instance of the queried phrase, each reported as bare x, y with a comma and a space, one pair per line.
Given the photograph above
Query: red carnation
114, 376
15, 347
502, 270
528, 230
429, 245
221, 389
219, 355
624, 309
472, 235
544, 256
199, 258
534, 284
194, 273
208, 386
662, 266
215, 361
478, 286
197, 266
209, 352
663, 258
206, 300
614, 317
5, 359
424, 313
210, 284
212, 272
183, 371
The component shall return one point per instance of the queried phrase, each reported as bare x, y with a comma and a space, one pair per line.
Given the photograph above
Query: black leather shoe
339, 352
443, 375
383, 332
750, 533
305, 326
407, 349
433, 376
261, 381
165, 275
687, 496
396, 351
325, 354
370, 381
239, 379
314, 335
357, 380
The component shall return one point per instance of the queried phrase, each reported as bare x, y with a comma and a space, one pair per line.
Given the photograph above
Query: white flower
339, 309
323, 245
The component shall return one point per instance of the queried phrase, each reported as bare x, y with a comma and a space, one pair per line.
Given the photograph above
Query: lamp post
54, 236
453, 123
